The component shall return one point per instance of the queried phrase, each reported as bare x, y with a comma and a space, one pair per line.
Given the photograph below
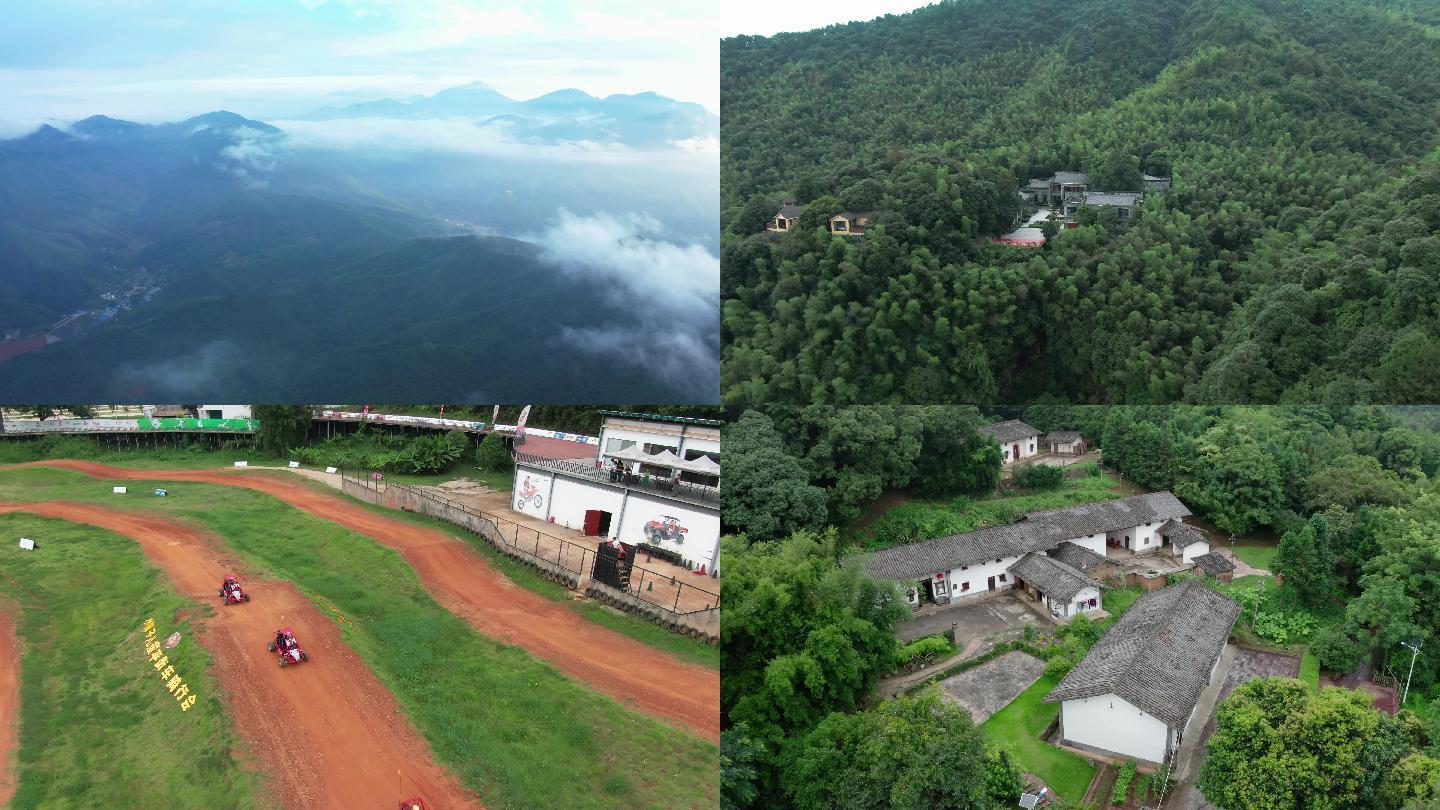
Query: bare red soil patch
461, 580
327, 732
9, 703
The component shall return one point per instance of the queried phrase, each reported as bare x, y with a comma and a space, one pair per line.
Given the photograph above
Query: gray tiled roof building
1159, 655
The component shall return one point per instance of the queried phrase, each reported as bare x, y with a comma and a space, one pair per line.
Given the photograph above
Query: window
838, 225
964, 586
997, 560
964, 568
652, 449
1002, 577
954, 587
616, 445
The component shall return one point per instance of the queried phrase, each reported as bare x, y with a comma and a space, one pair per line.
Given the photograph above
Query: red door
1015, 452
592, 522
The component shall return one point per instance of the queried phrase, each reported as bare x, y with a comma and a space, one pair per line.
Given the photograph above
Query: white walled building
1068, 442
647, 504
1064, 592
1017, 440
1134, 694
224, 412
976, 564
688, 438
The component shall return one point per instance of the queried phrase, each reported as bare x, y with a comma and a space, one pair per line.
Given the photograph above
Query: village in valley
1092, 628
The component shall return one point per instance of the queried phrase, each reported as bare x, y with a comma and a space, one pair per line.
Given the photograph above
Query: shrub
1284, 628
1337, 651
929, 645
491, 455
1039, 476
1122, 782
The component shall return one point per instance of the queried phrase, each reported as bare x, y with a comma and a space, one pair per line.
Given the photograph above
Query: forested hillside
1295, 259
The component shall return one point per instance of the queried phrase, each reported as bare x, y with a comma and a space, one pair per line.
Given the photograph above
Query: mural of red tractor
665, 527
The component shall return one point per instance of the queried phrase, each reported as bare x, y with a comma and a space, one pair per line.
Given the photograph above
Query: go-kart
230, 591
287, 648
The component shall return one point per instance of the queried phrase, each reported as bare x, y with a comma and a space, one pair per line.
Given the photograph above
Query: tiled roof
1039, 183
1214, 563
1181, 534
1063, 436
1039, 531
928, 557
1077, 556
1159, 655
1150, 178
790, 211
854, 215
1010, 431
1108, 516
1055, 578
1119, 198
1071, 178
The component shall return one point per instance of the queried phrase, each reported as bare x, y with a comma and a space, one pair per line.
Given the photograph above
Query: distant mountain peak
48, 134
104, 125
224, 120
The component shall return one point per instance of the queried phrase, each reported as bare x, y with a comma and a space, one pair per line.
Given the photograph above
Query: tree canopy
1294, 259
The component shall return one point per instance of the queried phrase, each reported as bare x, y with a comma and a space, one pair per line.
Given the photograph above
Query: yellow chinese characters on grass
161, 662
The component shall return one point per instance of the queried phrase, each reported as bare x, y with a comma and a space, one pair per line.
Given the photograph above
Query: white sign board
242, 464
330, 470
294, 464
27, 544
119, 490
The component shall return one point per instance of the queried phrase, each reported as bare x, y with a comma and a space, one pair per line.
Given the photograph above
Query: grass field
1310, 669
1255, 553
1019, 726
919, 518
513, 728
1118, 600
97, 726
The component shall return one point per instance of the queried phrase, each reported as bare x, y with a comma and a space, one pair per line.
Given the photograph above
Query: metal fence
519, 540
669, 590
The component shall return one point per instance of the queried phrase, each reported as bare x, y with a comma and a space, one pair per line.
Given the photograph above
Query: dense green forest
1296, 258
1342, 501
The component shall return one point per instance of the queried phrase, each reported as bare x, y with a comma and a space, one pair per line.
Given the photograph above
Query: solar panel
1029, 801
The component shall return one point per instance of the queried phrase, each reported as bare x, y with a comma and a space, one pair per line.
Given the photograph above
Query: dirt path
460, 579
9, 703
327, 732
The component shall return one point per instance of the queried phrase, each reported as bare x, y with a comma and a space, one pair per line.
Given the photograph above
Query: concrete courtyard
990, 687
973, 620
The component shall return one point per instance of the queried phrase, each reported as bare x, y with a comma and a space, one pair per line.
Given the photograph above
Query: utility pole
1414, 653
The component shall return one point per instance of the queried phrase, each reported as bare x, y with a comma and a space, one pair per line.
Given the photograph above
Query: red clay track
460, 579
9, 704
327, 732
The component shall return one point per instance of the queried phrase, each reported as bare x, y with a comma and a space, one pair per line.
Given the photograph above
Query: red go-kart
287, 648
230, 591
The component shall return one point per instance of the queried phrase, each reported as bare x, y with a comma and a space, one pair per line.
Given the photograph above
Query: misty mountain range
443, 252
641, 119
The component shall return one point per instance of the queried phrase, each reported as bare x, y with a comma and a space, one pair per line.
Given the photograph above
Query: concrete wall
1110, 723
1140, 539
1029, 446
1190, 552
978, 577
565, 501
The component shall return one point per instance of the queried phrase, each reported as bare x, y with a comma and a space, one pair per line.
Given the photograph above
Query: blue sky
158, 60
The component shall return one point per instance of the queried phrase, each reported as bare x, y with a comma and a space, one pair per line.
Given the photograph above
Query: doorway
1014, 452
597, 523
991, 583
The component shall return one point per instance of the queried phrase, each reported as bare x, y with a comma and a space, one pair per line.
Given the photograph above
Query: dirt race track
9, 704
326, 731
460, 579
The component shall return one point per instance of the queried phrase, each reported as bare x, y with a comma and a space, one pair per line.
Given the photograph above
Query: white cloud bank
672, 292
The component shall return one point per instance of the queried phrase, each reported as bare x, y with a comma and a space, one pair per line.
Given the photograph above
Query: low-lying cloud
671, 290
463, 136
